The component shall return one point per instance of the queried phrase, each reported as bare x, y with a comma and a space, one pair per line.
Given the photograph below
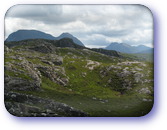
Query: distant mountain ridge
35, 34
125, 48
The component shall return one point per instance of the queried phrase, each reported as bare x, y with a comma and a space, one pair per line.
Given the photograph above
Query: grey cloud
48, 14
23, 11
115, 22
114, 33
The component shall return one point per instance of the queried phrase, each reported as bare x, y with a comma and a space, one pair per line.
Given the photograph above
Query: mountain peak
141, 46
124, 44
119, 44
68, 35
114, 43
65, 35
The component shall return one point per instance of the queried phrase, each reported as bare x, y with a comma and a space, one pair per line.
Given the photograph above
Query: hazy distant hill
150, 50
125, 48
35, 34
121, 47
142, 48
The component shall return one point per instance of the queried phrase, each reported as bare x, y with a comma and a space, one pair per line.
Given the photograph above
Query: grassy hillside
82, 82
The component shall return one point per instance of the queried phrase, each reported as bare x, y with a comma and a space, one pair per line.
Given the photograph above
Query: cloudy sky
94, 25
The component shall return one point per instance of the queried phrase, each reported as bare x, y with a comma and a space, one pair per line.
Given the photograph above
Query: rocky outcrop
29, 105
44, 48
21, 76
107, 52
124, 76
92, 64
16, 83
24, 72
6, 49
55, 74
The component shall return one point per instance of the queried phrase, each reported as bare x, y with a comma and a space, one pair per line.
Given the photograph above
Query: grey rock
144, 91
21, 105
26, 77
58, 61
55, 74
6, 49
16, 83
44, 48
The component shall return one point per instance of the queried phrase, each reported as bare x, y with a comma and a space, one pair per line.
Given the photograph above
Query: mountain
35, 34
121, 47
141, 48
28, 34
68, 35
125, 48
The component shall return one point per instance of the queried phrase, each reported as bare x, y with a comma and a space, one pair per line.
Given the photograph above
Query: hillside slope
44, 78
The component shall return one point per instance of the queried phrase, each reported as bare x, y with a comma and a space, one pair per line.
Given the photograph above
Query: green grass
87, 90
20, 75
116, 106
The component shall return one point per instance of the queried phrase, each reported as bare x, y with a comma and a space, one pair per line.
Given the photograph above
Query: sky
95, 25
